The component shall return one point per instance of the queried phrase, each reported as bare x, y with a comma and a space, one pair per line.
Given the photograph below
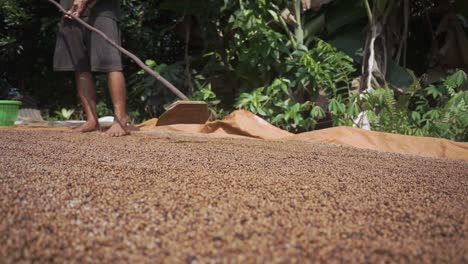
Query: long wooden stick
147, 69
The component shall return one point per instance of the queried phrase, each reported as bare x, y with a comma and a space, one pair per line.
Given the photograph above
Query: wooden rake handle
147, 69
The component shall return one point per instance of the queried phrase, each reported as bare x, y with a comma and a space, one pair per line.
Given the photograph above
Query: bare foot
87, 127
117, 130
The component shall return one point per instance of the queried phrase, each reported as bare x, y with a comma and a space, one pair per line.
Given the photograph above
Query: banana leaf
342, 14
350, 42
398, 76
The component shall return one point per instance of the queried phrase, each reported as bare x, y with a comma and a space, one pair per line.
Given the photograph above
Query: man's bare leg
87, 93
116, 81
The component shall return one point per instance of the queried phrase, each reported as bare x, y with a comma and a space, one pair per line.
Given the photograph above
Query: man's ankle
92, 121
123, 120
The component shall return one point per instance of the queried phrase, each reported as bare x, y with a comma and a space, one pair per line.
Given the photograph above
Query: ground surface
165, 198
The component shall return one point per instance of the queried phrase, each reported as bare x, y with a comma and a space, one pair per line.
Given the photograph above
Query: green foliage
323, 67
344, 111
65, 114
266, 53
275, 104
288, 101
439, 110
204, 92
13, 16
256, 49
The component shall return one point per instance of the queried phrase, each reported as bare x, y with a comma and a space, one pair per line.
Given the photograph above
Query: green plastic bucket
8, 112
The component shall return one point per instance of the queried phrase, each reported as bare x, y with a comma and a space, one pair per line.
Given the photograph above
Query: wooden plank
185, 112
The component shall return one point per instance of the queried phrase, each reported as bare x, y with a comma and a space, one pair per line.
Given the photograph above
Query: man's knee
83, 75
116, 76
115, 73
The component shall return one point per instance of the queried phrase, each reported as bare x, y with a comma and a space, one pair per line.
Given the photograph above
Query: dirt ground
176, 198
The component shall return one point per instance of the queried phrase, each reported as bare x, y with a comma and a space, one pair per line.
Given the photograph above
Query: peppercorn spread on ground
166, 197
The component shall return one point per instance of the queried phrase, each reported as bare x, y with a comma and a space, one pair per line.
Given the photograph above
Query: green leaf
432, 114
317, 112
433, 91
354, 110
336, 107
261, 112
274, 15
456, 80
416, 116
150, 63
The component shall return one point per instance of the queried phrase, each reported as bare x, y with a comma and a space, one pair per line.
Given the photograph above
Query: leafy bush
439, 110
288, 102
256, 49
